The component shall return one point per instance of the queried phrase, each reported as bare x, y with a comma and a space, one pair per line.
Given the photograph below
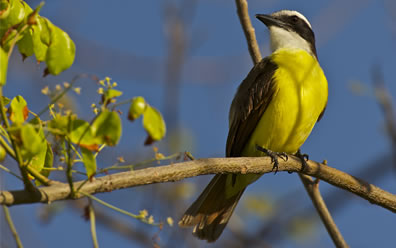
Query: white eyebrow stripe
290, 13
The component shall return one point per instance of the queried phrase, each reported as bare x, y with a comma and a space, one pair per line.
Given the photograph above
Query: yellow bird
273, 113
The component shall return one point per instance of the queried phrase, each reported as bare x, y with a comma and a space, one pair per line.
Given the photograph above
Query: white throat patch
281, 38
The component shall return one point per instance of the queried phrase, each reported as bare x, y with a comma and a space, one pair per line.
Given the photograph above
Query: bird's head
289, 29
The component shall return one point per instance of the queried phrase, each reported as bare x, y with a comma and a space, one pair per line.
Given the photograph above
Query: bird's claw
303, 158
283, 155
274, 157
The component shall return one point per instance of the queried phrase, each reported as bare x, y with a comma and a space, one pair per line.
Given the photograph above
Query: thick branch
179, 171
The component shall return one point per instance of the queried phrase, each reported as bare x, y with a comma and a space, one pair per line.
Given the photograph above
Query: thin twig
93, 224
385, 101
66, 89
312, 188
118, 225
135, 216
146, 162
14, 232
69, 165
9, 171
243, 13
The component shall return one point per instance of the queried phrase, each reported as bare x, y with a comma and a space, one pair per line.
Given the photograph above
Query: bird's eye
294, 19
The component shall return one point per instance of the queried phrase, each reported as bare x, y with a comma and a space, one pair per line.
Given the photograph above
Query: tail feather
211, 212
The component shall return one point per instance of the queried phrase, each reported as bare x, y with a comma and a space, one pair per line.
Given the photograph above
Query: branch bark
254, 50
180, 171
312, 187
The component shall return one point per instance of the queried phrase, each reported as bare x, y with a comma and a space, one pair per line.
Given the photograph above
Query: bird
272, 114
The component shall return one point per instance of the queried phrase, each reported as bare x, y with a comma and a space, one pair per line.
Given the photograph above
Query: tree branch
254, 50
179, 171
312, 187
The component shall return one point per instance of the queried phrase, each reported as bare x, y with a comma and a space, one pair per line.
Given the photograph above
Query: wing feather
250, 102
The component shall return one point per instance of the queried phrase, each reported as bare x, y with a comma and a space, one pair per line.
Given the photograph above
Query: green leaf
112, 93
19, 111
61, 52
138, 106
81, 134
107, 128
6, 100
14, 14
45, 36
154, 124
48, 42
9, 38
59, 123
37, 161
89, 161
25, 45
3, 66
49, 160
40, 38
32, 143
4, 9
35, 40
78, 131
44, 158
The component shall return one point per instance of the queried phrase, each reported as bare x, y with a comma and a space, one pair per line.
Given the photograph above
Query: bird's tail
211, 212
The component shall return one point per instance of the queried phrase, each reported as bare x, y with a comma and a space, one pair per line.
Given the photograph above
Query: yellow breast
300, 97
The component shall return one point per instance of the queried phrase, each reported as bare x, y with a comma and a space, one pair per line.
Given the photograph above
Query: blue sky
126, 40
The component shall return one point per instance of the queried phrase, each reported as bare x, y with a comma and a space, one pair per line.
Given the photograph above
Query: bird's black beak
269, 20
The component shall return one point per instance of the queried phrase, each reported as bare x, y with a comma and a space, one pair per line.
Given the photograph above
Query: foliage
34, 35
32, 141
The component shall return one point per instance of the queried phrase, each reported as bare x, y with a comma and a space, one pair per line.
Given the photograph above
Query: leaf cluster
34, 142
34, 35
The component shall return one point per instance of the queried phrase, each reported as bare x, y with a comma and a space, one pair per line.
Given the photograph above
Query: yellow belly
300, 97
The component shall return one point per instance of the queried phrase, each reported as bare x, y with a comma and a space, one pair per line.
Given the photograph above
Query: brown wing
251, 100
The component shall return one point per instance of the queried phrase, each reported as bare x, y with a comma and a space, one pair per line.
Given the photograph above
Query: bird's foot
274, 156
303, 158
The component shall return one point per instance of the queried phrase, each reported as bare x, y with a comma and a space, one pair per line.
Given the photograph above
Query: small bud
108, 80
77, 90
150, 219
169, 220
143, 213
45, 90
